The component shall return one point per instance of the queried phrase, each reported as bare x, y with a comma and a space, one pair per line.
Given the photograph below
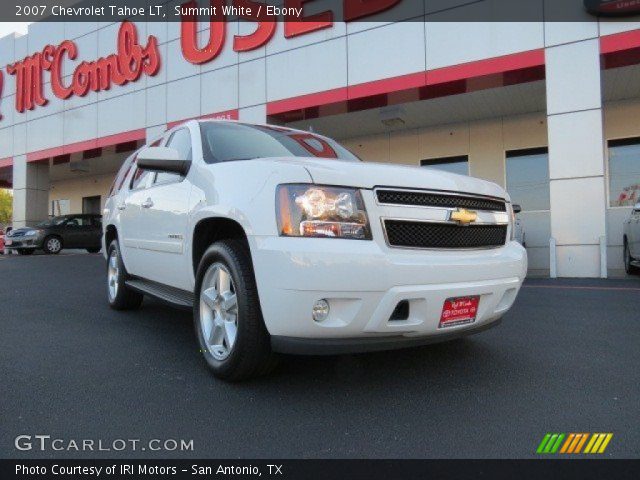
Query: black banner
322, 469
316, 10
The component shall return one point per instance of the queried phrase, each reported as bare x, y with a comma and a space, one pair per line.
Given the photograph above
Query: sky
9, 27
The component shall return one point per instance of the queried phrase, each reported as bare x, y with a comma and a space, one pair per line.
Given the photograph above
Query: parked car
631, 241
519, 233
283, 241
66, 231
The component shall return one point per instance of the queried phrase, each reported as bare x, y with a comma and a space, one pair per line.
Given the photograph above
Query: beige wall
76, 188
484, 141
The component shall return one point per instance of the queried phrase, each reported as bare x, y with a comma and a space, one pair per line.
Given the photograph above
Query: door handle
148, 203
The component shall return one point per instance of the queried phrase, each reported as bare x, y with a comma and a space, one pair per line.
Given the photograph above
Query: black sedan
67, 231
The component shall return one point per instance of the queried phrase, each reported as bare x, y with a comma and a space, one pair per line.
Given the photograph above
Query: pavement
565, 359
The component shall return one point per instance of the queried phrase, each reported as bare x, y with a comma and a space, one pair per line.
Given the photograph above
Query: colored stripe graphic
581, 443
550, 443
572, 443
598, 443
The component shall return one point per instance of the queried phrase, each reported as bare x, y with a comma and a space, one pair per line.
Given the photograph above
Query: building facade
548, 110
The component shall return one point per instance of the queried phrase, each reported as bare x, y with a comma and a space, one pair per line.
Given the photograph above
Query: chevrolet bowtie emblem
463, 216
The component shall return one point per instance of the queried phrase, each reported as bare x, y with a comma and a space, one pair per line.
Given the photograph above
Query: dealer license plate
459, 311
8, 242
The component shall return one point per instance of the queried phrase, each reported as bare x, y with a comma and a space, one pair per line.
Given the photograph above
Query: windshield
225, 142
52, 221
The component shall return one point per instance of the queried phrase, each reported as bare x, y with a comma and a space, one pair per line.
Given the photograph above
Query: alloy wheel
218, 311
54, 245
112, 274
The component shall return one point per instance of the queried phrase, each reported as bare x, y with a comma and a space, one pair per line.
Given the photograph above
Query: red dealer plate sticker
459, 311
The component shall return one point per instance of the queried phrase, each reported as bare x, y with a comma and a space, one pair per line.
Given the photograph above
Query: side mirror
517, 208
162, 159
636, 208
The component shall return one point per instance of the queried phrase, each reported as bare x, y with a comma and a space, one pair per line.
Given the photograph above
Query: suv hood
370, 175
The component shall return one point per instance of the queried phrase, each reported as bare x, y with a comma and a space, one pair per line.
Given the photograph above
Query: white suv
284, 241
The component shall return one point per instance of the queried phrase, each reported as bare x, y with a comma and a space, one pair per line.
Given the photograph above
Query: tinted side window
78, 222
139, 179
181, 141
122, 174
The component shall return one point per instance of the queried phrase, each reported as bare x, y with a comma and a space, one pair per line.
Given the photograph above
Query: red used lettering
189, 35
354, 9
305, 24
262, 34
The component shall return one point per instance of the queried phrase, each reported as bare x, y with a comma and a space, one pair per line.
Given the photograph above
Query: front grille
427, 199
408, 234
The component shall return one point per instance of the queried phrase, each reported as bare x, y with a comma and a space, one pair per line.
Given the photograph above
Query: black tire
124, 298
52, 245
25, 251
630, 269
93, 250
251, 354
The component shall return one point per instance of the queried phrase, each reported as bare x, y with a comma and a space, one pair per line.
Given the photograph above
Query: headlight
315, 211
31, 233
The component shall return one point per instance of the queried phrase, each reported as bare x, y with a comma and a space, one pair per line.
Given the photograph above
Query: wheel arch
212, 229
110, 234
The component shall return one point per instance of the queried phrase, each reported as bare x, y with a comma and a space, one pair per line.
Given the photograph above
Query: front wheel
25, 251
228, 321
121, 297
93, 250
52, 245
628, 267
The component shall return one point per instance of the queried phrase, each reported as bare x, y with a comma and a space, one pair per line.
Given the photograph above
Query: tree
6, 206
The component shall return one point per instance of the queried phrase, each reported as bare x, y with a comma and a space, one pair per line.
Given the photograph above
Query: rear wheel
228, 321
121, 297
630, 269
93, 250
52, 245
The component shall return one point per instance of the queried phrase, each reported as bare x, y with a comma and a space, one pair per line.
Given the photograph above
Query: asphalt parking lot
565, 359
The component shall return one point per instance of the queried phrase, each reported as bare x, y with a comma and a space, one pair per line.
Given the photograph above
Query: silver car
632, 241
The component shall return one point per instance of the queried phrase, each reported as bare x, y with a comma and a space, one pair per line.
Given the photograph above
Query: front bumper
364, 281
23, 243
342, 346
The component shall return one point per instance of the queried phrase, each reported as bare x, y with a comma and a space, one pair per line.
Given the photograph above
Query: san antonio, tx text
142, 469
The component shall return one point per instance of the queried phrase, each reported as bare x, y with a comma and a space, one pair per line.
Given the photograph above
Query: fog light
320, 310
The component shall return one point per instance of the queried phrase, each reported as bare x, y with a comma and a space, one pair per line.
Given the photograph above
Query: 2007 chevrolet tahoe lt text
284, 241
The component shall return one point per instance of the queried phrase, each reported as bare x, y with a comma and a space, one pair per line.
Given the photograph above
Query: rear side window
122, 174
139, 179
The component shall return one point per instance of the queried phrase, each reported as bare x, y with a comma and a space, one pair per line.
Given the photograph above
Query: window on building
527, 173
91, 204
60, 207
181, 141
459, 164
624, 172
